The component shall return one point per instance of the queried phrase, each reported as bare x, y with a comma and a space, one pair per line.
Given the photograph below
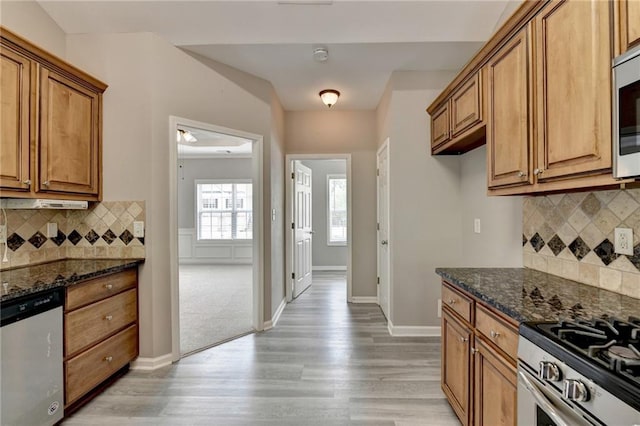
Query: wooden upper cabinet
69, 136
495, 393
51, 134
509, 106
15, 86
628, 24
466, 106
456, 364
440, 126
573, 93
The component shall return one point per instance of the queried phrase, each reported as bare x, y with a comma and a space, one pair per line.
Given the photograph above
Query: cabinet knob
108, 286
108, 317
108, 358
45, 183
538, 171
27, 182
494, 334
452, 302
522, 174
474, 351
464, 339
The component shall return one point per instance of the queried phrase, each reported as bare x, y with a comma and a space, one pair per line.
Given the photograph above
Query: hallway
325, 363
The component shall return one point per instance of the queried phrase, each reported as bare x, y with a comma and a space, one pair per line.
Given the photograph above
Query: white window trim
328, 211
205, 242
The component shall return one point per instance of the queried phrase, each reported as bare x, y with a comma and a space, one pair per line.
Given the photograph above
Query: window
337, 210
224, 210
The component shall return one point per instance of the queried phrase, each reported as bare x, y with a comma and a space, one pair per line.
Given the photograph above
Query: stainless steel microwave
626, 116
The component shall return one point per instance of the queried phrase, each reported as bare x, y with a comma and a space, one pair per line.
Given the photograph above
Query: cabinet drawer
457, 302
497, 331
88, 325
88, 369
100, 288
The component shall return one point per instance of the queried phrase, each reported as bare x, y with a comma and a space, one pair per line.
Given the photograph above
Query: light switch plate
623, 241
138, 229
476, 225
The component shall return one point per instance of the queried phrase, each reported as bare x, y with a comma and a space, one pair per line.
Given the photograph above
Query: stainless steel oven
626, 114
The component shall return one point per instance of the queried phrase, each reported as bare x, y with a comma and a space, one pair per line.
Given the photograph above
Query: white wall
499, 242
323, 254
30, 21
340, 132
206, 168
149, 80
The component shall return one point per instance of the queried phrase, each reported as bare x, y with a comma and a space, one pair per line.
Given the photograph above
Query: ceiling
367, 40
210, 144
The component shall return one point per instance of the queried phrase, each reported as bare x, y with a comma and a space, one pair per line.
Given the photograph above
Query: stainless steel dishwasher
32, 386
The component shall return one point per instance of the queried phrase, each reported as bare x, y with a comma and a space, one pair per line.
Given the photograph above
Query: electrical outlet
52, 229
3, 233
476, 225
439, 308
623, 241
138, 229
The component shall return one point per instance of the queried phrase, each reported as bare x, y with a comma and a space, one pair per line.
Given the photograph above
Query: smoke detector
321, 54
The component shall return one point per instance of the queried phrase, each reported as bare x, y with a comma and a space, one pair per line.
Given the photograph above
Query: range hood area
39, 203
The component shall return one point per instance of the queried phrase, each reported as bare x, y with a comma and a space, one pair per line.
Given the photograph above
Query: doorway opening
318, 207
216, 228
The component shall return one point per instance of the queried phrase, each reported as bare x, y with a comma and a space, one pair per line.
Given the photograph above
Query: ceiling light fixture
321, 54
329, 97
186, 136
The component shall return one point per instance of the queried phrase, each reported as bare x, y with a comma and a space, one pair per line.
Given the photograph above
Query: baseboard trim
364, 299
329, 268
148, 364
273, 321
413, 330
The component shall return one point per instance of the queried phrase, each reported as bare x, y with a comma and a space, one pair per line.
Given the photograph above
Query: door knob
384, 242
311, 232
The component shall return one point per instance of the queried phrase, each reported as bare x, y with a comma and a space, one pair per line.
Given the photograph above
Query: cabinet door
69, 152
15, 86
573, 88
466, 106
495, 388
629, 23
509, 132
440, 126
456, 364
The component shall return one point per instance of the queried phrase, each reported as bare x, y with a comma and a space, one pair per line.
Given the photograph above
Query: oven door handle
542, 400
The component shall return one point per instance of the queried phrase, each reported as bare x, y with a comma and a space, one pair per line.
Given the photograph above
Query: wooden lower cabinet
101, 333
479, 364
456, 364
495, 388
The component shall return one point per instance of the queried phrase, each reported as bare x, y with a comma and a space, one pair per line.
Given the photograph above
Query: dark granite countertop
32, 279
529, 295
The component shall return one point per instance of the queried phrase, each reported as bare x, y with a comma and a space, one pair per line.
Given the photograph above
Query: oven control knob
575, 390
549, 371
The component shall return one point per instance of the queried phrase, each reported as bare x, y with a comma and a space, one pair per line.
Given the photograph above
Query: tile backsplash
105, 230
571, 235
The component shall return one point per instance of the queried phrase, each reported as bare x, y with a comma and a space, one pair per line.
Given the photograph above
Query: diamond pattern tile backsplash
571, 235
105, 230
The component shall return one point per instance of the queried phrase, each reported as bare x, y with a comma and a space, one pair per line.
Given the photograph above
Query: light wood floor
325, 363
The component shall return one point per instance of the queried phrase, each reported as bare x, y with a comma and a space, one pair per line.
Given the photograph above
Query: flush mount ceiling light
321, 54
329, 97
186, 136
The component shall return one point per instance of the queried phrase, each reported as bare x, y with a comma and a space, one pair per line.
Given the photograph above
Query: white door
302, 225
383, 230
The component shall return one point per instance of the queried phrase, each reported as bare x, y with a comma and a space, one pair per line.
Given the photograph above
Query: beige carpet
215, 304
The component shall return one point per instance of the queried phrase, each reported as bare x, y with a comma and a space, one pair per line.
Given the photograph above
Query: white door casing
384, 287
303, 229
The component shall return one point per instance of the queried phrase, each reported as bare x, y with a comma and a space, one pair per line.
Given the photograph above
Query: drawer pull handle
108, 286
464, 339
109, 317
108, 358
494, 334
452, 301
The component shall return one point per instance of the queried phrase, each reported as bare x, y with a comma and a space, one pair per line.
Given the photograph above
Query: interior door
302, 225
383, 231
